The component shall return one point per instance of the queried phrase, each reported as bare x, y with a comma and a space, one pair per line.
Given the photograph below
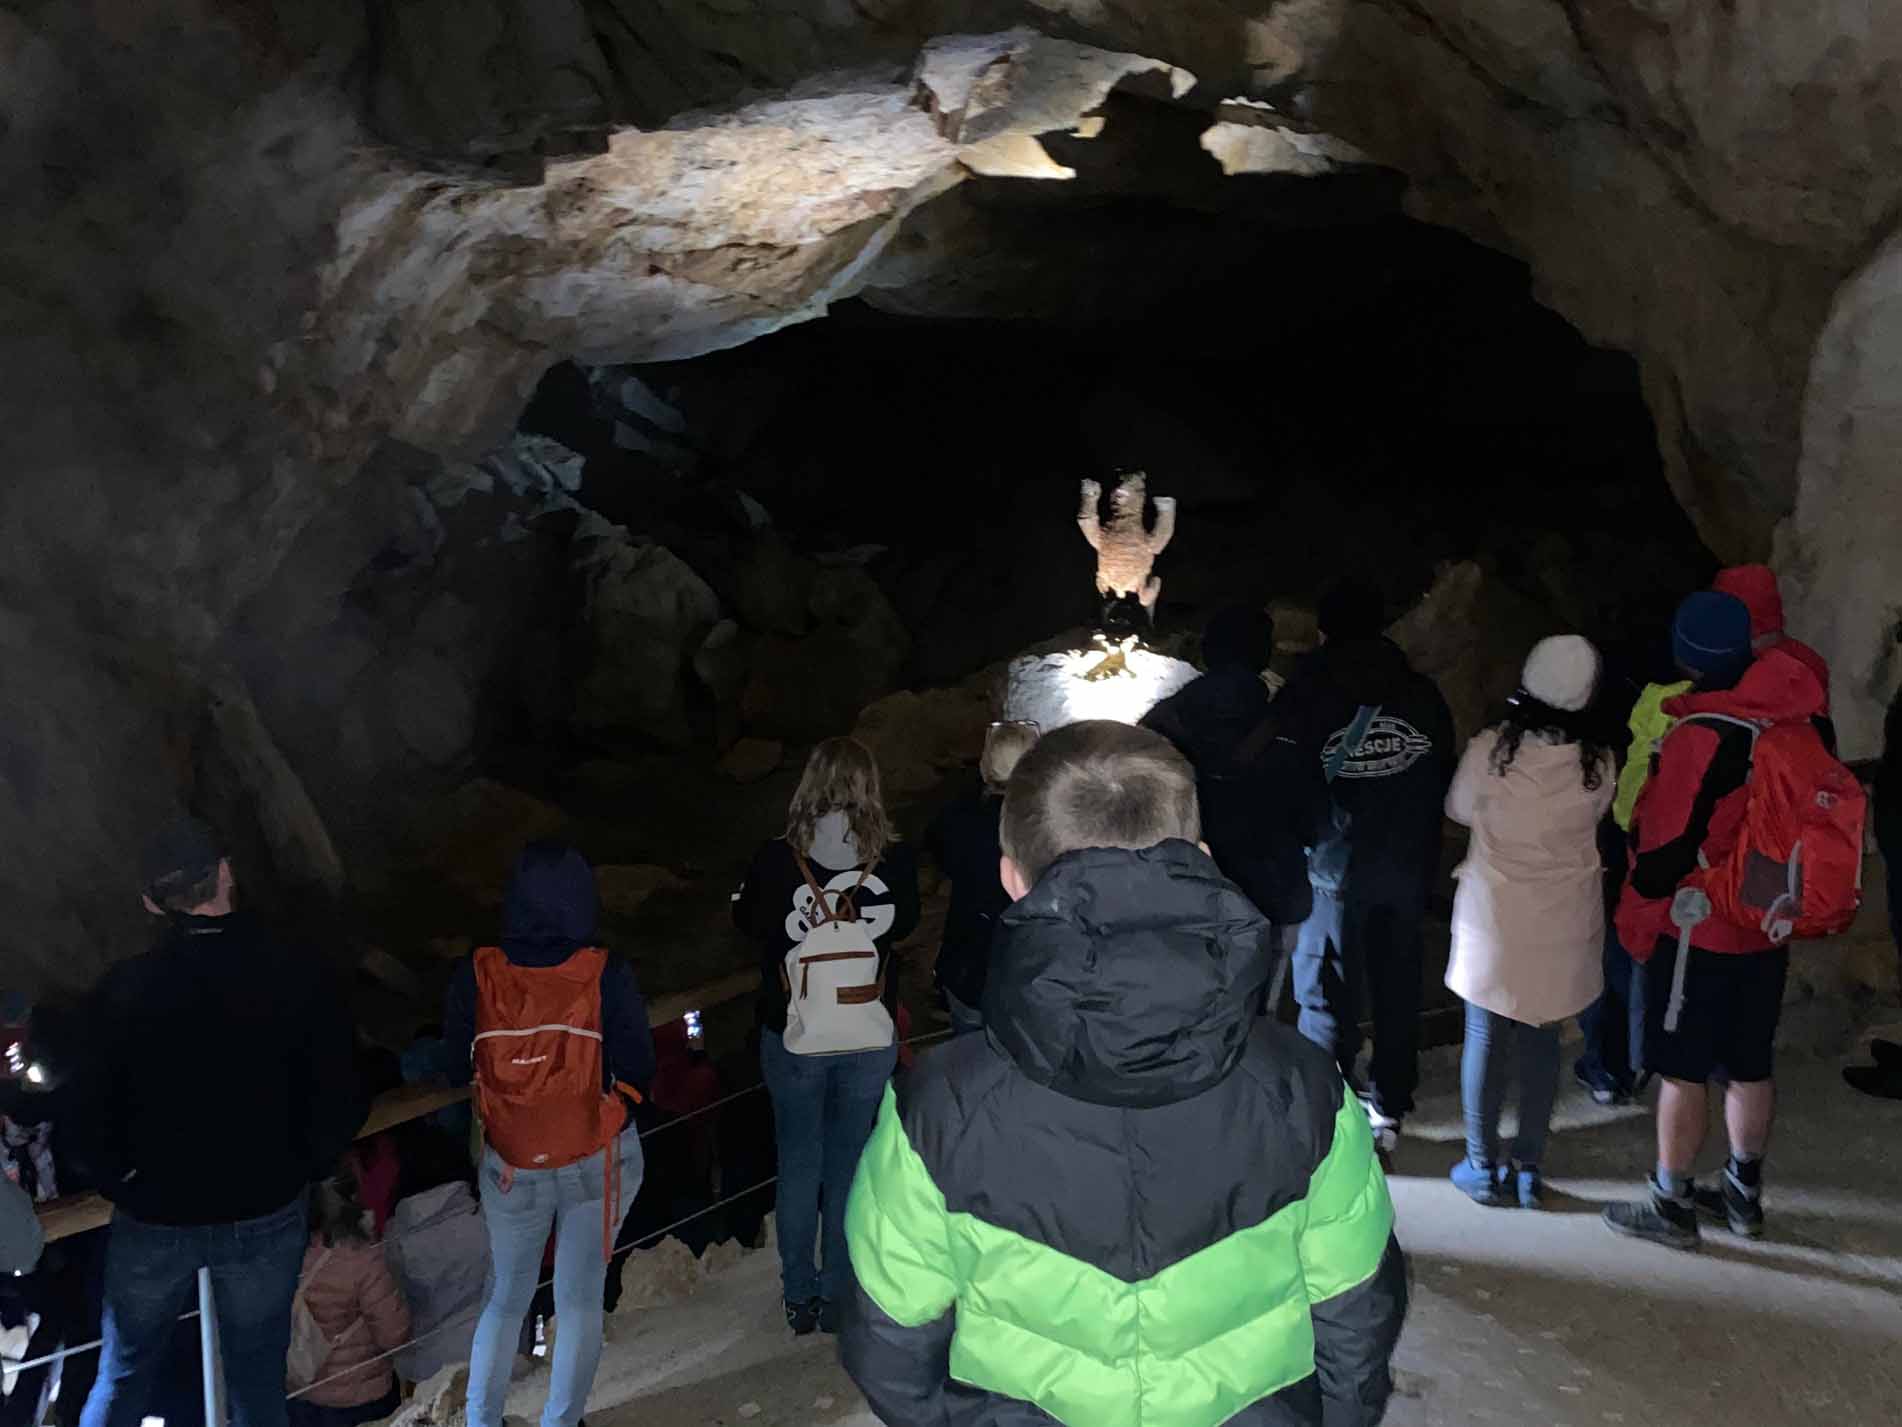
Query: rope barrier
652, 1238
655, 1237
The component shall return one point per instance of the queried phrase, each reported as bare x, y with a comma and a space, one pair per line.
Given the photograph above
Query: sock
1746, 1172
1673, 1185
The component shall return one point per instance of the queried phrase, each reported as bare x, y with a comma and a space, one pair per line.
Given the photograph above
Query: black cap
183, 852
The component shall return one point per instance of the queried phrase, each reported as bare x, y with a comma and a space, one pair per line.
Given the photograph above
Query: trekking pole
208, 1348
1690, 908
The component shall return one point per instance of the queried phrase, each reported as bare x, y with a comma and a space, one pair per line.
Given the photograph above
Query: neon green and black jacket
1130, 1202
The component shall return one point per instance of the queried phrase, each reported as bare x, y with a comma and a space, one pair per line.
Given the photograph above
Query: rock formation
273, 273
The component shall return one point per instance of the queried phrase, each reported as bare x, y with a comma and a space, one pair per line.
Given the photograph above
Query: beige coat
1529, 918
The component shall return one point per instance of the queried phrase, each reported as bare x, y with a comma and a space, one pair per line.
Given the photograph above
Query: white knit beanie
1561, 672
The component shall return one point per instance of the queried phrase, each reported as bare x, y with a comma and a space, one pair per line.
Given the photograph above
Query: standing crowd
1125, 1191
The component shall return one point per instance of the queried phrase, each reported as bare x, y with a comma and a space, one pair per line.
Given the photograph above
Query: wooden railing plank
77, 1213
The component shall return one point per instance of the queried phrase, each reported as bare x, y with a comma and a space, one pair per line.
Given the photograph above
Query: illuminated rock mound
1053, 690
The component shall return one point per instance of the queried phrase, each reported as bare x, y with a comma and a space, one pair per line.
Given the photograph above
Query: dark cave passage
1376, 399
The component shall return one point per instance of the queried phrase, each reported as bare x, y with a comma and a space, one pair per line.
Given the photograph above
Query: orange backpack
1795, 869
540, 1066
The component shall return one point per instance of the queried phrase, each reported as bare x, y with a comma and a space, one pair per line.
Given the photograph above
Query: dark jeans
1352, 953
151, 1278
1495, 1046
309, 1414
823, 1110
1613, 1025
1889, 840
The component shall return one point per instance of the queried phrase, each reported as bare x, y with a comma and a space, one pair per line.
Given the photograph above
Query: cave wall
249, 243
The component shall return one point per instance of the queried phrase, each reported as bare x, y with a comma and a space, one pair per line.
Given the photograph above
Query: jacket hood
1756, 586
1128, 978
1776, 688
552, 908
1372, 664
833, 846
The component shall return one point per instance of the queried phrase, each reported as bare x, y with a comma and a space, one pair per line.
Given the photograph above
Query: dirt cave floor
1517, 1317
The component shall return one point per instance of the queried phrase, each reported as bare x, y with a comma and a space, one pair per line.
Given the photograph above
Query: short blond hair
1097, 784
842, 777
1004, 747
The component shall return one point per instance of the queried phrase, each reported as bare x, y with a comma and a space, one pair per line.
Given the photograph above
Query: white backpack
834, 993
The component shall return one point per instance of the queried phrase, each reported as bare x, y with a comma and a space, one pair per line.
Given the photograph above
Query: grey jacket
438, 1249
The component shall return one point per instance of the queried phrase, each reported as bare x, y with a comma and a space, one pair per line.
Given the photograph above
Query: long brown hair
841, 777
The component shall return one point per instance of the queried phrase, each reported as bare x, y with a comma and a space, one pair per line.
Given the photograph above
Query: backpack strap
848, 902
1351, 741
822, 909
1657, 873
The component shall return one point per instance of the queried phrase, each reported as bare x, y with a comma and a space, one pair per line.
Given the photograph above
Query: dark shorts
1728, 1028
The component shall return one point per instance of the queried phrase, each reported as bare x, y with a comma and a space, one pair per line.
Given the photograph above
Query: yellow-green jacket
1649, 724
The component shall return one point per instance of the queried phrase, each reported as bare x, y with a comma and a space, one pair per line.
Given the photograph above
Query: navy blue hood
553, 908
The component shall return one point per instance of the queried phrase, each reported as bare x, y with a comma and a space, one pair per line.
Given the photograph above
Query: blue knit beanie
1710, 638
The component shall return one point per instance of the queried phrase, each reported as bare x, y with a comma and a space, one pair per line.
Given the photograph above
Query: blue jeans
570, 1201
152, 1277
823, 1110
1613, 1025
1493, 1044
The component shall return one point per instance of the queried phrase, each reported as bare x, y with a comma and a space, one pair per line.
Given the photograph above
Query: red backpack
540, 1067
1795, 869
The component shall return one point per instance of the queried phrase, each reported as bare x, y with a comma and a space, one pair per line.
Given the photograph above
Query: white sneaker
1386, 1127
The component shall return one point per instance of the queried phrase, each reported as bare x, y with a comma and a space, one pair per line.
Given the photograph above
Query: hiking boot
1726, 1203
1484, 1184
1530, 1185
803, 1318
831, 1316
1657, 1218
1604, 1089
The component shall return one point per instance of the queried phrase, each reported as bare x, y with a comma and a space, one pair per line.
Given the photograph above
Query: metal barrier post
208, 1348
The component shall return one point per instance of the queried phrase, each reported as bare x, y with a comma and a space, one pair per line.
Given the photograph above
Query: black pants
1613, 1025
1353, 953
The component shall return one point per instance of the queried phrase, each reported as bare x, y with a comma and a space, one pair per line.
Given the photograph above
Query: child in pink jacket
358, 1309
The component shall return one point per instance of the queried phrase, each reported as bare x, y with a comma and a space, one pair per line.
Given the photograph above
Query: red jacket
1779, 687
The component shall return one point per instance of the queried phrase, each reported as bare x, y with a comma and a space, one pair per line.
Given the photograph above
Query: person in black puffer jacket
964, 842
1374, 866
1259, 813
1130, 1202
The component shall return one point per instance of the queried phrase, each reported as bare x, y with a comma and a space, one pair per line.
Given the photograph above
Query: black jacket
222, 1081
1392, 794
1889, 784
1124, 1118
770, 905
1258, 817
964, 841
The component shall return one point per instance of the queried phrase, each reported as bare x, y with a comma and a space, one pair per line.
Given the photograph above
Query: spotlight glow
1051, 690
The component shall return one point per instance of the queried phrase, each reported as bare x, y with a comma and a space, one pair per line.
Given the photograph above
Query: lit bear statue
1125, 548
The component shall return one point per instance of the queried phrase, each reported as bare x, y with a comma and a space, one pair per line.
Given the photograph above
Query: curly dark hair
1525, 714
